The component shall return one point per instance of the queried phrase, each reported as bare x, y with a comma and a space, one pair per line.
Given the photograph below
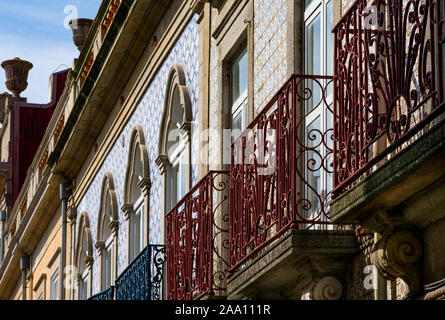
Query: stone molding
326, 288
397, 256
128, 209
162, 162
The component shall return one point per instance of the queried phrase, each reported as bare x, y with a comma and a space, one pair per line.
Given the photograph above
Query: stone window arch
84, 258
107, 232
136, 194
174, 154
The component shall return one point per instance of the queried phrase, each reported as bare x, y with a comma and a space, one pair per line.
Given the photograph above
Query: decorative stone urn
16, 75
81, 28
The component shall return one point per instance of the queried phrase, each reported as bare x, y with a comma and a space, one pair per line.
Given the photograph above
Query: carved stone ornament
16, 75
88, 260
128, 209
162, 162
114, 226
397, 255
326, 288
81, 28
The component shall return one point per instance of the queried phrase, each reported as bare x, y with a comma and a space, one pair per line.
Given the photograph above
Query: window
175, 136
136, 192
136, 229
107, 263
107, 232
238, 83
318, 61
83, 285
84, 257
54, 286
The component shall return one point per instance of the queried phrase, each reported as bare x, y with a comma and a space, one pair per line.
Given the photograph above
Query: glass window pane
329, 40
313, 62
307, 3
239, 76
183, 186
237, 122
55, 286
313, 47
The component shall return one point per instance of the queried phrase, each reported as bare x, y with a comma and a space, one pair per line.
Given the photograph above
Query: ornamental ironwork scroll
389, 81
104, 295
281, 172
197, 240
142, 279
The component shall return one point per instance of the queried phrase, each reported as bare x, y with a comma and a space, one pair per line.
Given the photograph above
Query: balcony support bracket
398, 255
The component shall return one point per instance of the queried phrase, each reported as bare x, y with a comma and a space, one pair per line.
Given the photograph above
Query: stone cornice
157, 58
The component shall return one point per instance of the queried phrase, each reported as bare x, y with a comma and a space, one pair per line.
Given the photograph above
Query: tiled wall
270, 62
270, 49
148, 115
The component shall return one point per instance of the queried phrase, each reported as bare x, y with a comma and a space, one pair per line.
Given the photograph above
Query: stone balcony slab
287, 266
407, 190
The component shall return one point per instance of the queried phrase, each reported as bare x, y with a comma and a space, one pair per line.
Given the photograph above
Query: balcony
197, 231
104, 295
280, 235
389, 132
388, 87
141, 280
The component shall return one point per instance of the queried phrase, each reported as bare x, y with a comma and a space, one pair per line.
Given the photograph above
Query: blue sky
34, 30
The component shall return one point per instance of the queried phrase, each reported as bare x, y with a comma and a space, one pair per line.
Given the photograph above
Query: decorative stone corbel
397, 255
100, 245
382, 221
185, 130
145, 185
162, 162
326, 288
128, 209
88, 260
114, 226
72, 215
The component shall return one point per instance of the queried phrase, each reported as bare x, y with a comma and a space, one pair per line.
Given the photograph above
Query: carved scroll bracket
326, 288
397, 256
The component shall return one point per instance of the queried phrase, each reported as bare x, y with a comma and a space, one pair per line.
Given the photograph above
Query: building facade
237, 149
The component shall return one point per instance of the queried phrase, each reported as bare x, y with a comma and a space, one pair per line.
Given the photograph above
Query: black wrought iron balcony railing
141, 280
104, 295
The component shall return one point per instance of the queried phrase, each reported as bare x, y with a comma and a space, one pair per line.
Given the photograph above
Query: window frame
108, 200
137, 161
84, 264
241, 105
176, 84
318, 9
54, 285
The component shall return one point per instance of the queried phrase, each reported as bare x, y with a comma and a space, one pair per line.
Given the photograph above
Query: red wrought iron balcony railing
389, 82
281, 173
197, 232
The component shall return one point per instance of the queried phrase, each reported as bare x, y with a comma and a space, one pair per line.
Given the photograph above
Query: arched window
136, 194
174, 140
84, 258
107, 231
